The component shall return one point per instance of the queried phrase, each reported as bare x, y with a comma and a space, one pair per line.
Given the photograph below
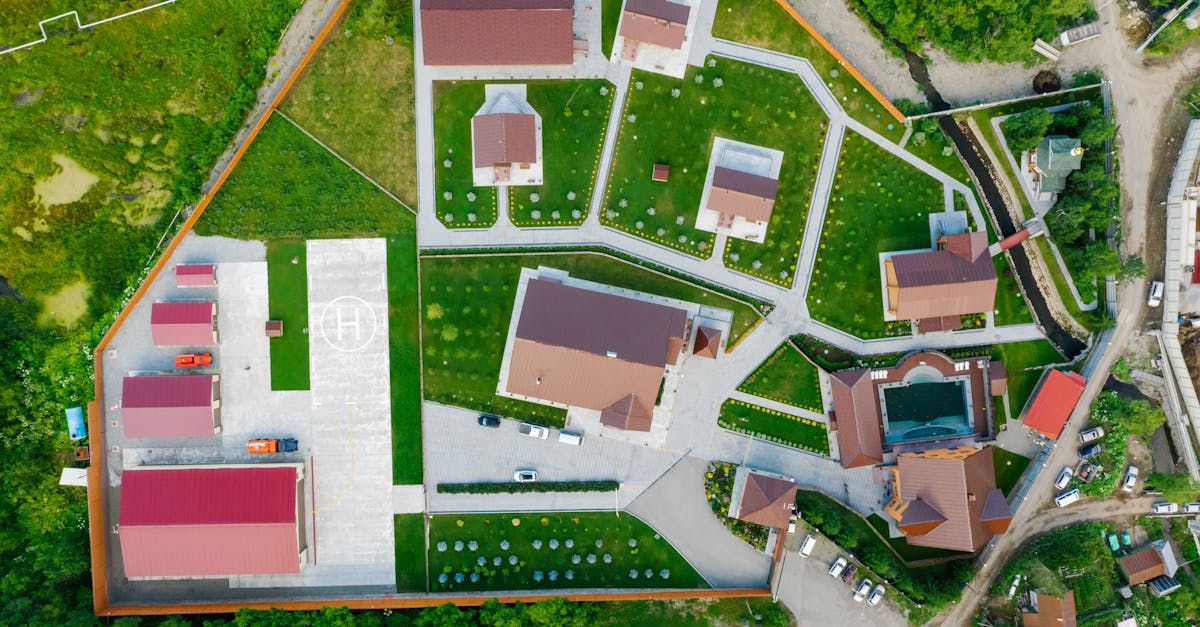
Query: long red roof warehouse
170, 406
1054, 403
183, 324
498, 32
209, 521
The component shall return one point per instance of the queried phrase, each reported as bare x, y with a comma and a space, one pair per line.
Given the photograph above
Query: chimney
970, 497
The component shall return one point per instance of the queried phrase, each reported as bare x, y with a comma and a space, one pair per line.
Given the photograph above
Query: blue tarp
75, 423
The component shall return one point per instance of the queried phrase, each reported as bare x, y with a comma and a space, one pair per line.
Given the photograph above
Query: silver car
863, 589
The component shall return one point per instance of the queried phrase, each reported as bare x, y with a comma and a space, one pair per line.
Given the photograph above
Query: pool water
926, 409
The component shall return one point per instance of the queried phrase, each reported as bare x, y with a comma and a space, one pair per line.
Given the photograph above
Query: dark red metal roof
192, 390
183, 324
181, 313
498, 32
1054, 403
195, 275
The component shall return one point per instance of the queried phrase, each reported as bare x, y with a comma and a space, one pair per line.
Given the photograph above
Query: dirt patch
66, 306
67, 186
1046, 82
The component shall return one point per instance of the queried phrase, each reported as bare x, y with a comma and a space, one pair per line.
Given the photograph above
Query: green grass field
357, 95
787, 376
454, 104
287, 296
468, 303
1024, 361
572, 550
733, 100
610, 18
1011, 307
765, 24
404, 352
774, 426
574, 116
1009, 467
410, 553
876, 198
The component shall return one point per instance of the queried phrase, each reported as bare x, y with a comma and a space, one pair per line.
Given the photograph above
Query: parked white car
525, 476
863, 589
836, 568
1066, 498
534, 431
1131, 476
1191, 508
876, 595
806, 547
1064, 477
1164, 507
1087, 435
1156, 294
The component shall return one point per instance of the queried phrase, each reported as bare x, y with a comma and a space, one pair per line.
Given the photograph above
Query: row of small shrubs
503, 487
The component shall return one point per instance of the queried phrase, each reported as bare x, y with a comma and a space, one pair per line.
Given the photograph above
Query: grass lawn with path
404, 355
468, 303
1024, 363
454, 104
877, 198
765, 24
787, 376
729, 99
574, 117
472, 552
410, 552
1011, 307
287, 298
357, 96
774, 426
1009, 467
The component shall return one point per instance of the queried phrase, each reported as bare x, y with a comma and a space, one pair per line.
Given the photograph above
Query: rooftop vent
612, 353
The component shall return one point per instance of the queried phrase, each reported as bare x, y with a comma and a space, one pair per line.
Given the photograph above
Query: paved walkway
778, 406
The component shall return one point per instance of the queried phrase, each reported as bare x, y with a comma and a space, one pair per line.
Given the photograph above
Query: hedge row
533, 486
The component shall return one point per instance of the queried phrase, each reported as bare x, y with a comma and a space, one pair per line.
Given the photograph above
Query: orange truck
271, 445
193, 360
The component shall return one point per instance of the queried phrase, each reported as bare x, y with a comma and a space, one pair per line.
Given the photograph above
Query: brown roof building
1155, 560
708, 343
1050, 611
595, 350
936, 287
502, 139
737, 194
857, 417
947, 498
658, 22
763, 499
498, 32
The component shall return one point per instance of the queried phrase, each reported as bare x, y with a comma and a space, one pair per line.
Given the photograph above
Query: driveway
806, 588
676, 508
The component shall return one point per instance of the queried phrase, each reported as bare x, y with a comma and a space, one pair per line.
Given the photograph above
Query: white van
806, 547
574, 439
1066, 498
1156, 293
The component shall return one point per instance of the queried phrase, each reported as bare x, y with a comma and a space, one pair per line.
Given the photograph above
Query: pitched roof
195, 275
708, 342
856, 411
959, 279
919, 518
767, 500
168, 406
957, 487
998, 376
1142, 566
1057, 157
498, 32
595, 350
504, 138
656, 22
1054, 401
1052, 611
183, 324
215, 521
996, 514
742, 194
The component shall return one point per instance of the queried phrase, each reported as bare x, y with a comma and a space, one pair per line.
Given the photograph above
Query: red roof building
1053, 402
498, 32
937, 287
210, 521
171, 406
184, 324
763, 499
195, 275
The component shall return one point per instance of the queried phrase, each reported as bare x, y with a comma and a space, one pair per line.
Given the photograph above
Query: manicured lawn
1009, 467
879, 203
733, 100
468, 303
410, 553
287, 297
787, 376
357, 96
610, 18
287, 185
552, 551
454, 104
574, 116
774, 426
1024, 361
908, 552
765, 24
1011, 307
404, 355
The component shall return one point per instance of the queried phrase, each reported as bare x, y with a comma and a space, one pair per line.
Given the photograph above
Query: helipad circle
348, 323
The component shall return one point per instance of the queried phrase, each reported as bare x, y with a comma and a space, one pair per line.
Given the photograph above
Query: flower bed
775, 426
718, 489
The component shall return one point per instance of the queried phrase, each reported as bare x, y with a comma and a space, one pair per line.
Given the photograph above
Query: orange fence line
887, 104
431, 601
96, 481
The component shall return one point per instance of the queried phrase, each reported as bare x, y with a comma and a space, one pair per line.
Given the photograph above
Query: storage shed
171, 406
184, 324
196, 275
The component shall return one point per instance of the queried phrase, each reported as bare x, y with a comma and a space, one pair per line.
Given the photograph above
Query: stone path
778, 406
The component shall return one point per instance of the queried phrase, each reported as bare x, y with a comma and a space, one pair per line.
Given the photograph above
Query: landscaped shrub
775, 426
536, 486
718, 489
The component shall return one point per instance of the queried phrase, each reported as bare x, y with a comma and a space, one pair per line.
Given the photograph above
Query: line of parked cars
843, 569
538, 432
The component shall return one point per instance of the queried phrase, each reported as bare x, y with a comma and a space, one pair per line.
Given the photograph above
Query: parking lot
819, 599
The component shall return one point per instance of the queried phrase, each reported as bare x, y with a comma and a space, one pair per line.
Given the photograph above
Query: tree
1097, 130
1132, 267
1177, 488
1025, 130
445, 615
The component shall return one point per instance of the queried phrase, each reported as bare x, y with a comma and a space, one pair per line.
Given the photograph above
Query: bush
536, 486
1024, 131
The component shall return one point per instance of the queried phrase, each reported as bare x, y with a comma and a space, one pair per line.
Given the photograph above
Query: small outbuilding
762, 499
1055, 158
661, 173
184, 324
1054, 401
708, 343
196, 275
274, 328
171, 406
